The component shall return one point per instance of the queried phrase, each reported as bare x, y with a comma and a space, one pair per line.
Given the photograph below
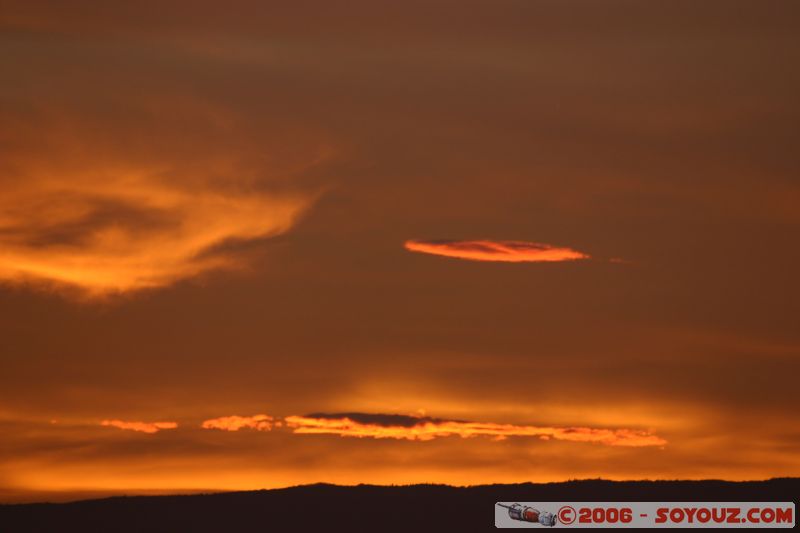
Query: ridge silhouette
424, 507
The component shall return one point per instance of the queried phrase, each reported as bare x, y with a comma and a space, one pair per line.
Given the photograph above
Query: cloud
108, 189
235, 423
130, 232
504, 251
425, 428
143, 427
379, 419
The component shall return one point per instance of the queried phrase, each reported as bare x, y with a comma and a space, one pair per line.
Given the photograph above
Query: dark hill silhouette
361, 508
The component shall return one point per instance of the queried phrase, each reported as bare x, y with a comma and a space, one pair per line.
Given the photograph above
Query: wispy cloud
235, 423
426, 428
407, 427
143, 427
114, 204
130, 233
488, 250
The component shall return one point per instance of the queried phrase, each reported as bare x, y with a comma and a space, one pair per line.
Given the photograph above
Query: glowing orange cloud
129, 232
235, 423
143, 427
94, 202
504, 251
413, 428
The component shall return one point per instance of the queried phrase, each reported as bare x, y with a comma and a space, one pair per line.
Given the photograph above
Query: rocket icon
528, 514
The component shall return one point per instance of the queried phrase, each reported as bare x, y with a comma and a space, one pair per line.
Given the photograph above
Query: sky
258, 244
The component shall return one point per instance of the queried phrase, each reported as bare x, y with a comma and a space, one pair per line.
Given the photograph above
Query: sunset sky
257, 244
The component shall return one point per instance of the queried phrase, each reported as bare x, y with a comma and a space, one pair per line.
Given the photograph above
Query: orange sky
263, 244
